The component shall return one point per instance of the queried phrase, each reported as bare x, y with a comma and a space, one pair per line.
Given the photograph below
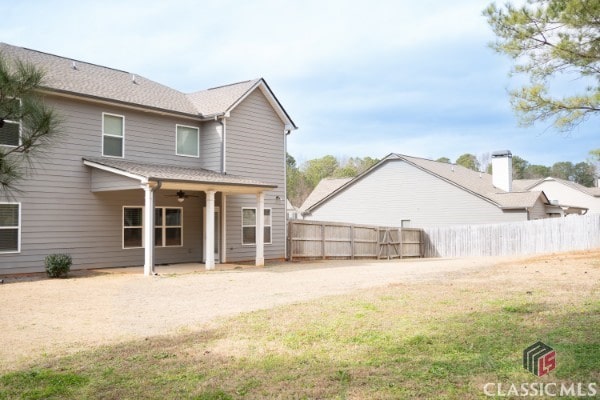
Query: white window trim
177, 137
13, 227
164, 227
20, 134
132, 227
265, 225
143, 226
114, 136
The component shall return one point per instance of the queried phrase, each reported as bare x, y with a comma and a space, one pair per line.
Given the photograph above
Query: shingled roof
161, 172
220, 99
73, 77
478, 183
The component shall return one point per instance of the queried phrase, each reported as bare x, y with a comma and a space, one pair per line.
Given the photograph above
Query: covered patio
118, 174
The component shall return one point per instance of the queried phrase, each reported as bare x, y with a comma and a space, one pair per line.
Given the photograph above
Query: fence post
290, 241
352, 242
323, 241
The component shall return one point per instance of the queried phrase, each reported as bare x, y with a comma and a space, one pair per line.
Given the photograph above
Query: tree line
301, 180
583, 172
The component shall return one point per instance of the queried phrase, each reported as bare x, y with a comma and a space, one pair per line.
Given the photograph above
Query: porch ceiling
178, 178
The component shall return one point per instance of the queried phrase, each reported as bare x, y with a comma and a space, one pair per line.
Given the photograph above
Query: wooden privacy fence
335, 240
515, 238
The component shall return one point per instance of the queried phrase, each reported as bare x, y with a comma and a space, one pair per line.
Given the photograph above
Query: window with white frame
10, 227
188, 141
10, 128
113, 135
249, 226
168, 228
133, 230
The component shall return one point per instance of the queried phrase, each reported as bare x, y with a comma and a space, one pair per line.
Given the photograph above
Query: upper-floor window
10, 227
188, 141
10, 129
113, 135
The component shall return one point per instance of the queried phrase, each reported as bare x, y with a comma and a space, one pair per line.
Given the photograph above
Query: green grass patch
387, 343
40, 384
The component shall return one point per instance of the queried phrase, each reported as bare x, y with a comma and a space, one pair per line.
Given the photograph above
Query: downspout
285, 247
222, 121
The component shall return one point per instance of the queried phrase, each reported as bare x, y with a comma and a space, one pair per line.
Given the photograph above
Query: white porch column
209, 240
260, 229
148, 230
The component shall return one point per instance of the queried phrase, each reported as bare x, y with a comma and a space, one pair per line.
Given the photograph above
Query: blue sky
360, 78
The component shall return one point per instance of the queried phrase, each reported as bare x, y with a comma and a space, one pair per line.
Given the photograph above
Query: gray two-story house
142, 174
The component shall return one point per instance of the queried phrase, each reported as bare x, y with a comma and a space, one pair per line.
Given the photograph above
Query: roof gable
223, 99
590, 191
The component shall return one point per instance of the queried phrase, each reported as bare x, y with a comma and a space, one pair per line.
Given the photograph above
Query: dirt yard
57, 316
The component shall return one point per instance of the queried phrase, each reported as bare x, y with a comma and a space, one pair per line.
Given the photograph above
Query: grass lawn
436, 339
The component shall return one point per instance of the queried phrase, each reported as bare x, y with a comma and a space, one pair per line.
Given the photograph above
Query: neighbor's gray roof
531, 183
160, 172
480, 184
524, 184
323, 189
70, 76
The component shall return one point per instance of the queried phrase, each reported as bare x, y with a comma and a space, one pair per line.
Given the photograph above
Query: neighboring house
144, 174
416, 192
570, 196
292, 212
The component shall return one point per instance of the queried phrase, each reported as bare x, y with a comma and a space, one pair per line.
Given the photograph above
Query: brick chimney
502, 170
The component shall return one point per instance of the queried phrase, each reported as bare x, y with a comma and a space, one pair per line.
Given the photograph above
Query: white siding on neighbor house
255, 148
569, 196
59, 211
398, 191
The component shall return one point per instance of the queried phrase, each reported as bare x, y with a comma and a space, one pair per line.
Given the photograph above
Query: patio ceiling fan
181, 195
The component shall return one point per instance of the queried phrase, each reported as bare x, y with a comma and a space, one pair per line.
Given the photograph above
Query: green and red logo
539, 359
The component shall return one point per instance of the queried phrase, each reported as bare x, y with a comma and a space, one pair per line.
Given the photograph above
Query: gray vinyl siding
59, 211
105, 181
255, 148
210, 146
398, 191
